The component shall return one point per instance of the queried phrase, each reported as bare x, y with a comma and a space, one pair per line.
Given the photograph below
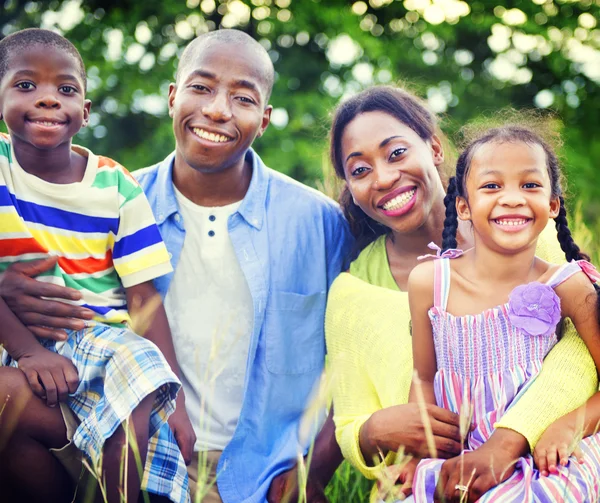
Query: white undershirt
210, 312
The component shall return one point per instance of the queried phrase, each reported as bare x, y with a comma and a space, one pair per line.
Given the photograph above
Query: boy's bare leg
114, 457
28, 428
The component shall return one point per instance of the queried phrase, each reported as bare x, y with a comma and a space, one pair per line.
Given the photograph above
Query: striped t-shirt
101, 228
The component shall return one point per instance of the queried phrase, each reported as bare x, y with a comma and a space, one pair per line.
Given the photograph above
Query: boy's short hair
24, 39
229, 36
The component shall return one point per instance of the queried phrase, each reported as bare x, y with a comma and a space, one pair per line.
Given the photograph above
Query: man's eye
245, 99
199, 87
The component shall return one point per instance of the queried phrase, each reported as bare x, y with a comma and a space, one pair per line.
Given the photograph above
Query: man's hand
44, 318
51, 376
182, 429
284, 489
482, 469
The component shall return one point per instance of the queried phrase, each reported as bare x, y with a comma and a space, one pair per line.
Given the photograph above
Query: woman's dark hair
511, 134
398, 103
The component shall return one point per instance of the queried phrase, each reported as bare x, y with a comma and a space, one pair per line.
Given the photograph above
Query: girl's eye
359, 171
397, 152
25, 86
491, 186
531, 185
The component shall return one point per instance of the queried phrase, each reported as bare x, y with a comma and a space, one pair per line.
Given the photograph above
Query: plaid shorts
117, 370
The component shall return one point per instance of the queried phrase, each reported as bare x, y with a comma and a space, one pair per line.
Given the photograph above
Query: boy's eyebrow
32, 73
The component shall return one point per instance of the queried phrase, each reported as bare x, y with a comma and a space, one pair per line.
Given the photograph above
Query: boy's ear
462, 208
438, 150
554, 207
87, 106
171, 98
266, 119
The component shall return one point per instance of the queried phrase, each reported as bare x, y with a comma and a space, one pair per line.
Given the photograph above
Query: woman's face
392, 173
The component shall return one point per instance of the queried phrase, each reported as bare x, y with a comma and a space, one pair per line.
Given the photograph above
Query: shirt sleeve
568, 370
139, 254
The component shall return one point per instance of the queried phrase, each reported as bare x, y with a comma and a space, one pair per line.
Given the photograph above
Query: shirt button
255, 222
212, 218
177, 217
211, 233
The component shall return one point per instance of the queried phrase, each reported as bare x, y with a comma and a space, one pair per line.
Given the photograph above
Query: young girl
477, 350
88, 212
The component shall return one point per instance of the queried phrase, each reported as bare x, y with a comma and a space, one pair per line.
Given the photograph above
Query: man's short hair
25, 39
233, 37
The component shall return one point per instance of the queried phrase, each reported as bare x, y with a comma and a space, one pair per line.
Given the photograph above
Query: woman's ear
438, 150
462, 208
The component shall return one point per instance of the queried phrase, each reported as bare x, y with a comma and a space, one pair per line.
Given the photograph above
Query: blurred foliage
466, 58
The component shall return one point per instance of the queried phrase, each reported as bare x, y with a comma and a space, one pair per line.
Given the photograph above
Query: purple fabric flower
534, 308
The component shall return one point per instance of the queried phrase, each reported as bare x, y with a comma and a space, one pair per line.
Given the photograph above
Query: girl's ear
554, 207
462, 208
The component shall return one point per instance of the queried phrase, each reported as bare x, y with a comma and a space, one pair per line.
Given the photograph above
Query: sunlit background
465, 58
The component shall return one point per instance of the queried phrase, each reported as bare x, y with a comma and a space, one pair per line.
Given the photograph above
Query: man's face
218, 106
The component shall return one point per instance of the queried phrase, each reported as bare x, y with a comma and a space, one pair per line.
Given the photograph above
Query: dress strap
568, 269
441, 282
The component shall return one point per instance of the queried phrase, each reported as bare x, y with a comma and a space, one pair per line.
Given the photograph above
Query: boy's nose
218, 109
47, 101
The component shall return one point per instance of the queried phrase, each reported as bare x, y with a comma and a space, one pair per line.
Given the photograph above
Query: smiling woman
387, 147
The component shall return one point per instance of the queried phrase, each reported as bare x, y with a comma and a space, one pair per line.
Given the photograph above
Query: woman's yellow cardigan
370, 356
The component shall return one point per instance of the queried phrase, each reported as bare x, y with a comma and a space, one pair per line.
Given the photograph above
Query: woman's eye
359, 171
397, 152
25, 85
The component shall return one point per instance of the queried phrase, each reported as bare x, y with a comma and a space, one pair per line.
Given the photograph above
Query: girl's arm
420, 295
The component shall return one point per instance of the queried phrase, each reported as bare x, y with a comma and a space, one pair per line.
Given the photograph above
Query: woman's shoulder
372, 265
548, 247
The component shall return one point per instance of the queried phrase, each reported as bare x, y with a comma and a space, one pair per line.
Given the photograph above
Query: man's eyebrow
202, 73
247, 84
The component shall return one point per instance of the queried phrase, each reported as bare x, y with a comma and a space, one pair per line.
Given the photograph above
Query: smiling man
254, 254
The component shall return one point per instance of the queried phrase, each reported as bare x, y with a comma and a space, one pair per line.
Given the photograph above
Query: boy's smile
42, 99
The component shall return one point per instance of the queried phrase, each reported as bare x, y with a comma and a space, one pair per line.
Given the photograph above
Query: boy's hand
284, 489
182, 429
559, 441
397, 480
51, 376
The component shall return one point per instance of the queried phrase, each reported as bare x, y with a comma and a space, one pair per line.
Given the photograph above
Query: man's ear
87, 106
462, 208
266, 119
554, 207
437, 150
171, 98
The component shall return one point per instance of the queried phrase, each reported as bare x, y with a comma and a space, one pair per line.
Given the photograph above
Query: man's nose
218, 109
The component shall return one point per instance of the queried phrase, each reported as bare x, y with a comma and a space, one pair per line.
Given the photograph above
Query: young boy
61, 200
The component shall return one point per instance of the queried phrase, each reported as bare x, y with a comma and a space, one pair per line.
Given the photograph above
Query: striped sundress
486, 363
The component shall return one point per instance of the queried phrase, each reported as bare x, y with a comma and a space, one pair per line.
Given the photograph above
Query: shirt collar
253, 205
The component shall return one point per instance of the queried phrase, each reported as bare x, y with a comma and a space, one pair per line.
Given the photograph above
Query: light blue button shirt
291, 242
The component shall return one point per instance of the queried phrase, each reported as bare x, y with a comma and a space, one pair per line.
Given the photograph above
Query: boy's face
218, 106
42, 97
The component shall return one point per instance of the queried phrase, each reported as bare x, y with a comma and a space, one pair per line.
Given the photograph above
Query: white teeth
47, 123
511, 222
399, 201
216, 138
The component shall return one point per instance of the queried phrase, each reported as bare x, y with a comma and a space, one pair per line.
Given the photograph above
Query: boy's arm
149, 318
51, 376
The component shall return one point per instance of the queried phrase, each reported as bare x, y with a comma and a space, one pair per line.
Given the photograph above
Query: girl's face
509, 195
392, 173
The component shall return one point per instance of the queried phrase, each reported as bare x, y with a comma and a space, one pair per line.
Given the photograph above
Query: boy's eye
67, 89
397, 152
25, 86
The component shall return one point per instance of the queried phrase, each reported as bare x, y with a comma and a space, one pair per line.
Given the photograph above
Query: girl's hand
51, 376
396, 481
481, 469
559, 441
